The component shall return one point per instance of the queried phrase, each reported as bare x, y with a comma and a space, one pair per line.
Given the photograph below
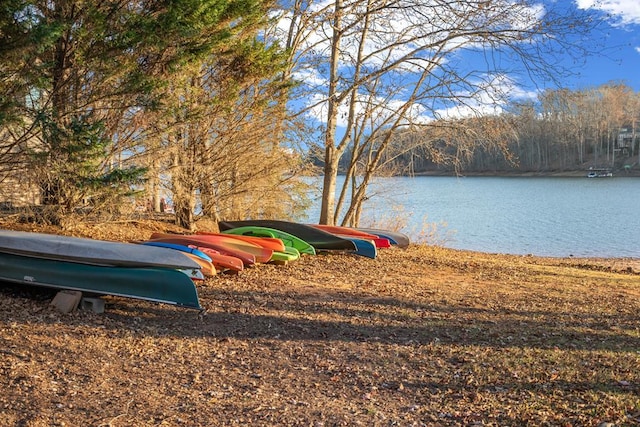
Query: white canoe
91, 251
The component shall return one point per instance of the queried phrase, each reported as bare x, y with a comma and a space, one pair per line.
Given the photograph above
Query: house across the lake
626, 140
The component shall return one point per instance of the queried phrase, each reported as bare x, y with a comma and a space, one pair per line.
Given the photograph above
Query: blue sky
619, 59
470, 76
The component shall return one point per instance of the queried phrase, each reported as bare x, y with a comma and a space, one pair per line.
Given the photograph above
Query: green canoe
288, 239
290, 254
163, 285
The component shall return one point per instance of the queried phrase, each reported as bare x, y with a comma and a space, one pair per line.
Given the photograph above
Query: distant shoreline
632, 173
565, 174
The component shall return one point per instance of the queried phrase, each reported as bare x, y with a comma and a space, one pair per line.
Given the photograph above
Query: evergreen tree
73, 71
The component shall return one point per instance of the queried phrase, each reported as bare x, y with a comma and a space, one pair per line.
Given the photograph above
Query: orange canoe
266, 242
262, 254
191, 240
222, 262
206, 267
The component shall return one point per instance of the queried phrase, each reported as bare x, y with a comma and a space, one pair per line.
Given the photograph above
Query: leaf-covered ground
425, 336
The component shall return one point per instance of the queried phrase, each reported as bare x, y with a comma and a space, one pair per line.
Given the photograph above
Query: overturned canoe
289, 240
288, 255
266, 242
364, 247
163, 285
181, 239
320, 240
91, 251
261, 253
182, 248
395, 237
223, 262
345, 232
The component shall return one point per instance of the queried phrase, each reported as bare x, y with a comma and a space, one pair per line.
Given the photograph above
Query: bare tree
391, 64
221, 155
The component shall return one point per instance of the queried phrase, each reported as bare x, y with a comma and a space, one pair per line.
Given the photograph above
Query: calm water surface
541, 216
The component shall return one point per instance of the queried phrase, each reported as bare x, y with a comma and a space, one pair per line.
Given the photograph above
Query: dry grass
425, 336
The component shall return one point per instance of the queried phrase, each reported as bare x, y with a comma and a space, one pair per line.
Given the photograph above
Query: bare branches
391, 64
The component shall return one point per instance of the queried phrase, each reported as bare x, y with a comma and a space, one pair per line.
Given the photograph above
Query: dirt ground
418, 337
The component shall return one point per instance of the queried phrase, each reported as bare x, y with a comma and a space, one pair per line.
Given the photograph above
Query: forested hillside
560, 131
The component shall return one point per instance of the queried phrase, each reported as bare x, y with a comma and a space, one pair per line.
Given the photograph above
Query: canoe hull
288, 239
261, 254
365, 248
90, 251
247, 258
265, 242
223, 262
396, 238
346, 232
146, 283
320, 240
288, 255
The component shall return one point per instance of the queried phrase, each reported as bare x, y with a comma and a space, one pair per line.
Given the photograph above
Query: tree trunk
331, 160
332, 154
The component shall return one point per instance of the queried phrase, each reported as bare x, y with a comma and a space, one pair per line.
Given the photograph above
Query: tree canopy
75, 77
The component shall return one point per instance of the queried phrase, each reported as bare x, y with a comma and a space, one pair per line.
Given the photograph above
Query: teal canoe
164, 285
288, 239
364, 247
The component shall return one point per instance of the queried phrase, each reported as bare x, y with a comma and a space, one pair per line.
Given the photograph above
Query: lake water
561, 217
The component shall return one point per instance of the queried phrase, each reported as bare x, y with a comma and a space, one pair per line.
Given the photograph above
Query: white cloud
398, 33
637, 49
310, 77
489, 98
624, 11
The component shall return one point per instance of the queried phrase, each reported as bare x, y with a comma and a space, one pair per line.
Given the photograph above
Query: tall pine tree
71, 72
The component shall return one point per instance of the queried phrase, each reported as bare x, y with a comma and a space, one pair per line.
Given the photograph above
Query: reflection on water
539, 216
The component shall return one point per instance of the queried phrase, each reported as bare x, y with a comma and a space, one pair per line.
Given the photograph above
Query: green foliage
23, 36
74, 77
71, 166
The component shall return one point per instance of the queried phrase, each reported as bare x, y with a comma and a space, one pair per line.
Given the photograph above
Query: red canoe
220, 261
380, 242
246, 257
265, 242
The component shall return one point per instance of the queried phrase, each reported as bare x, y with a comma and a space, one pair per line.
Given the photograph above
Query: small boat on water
599, 173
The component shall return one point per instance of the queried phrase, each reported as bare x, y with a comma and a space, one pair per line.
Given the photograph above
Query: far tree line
562, 130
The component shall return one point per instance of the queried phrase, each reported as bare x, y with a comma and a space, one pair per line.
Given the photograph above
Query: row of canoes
166, 267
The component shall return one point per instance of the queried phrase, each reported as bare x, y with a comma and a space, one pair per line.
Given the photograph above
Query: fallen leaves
426, 336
